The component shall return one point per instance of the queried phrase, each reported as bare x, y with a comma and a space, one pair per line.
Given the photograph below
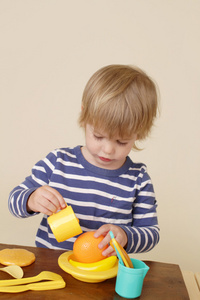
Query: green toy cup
129, 281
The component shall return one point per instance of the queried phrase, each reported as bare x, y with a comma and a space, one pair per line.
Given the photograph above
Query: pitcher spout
145, 270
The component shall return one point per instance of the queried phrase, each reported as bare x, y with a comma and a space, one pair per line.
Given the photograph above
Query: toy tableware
121, 253
85, 275
64, 224
55, 281
129, 281
14, 270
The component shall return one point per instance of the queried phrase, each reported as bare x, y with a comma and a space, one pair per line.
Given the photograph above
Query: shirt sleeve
40, 176
143, 235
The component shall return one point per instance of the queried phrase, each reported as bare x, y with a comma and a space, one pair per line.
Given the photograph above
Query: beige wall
48, 51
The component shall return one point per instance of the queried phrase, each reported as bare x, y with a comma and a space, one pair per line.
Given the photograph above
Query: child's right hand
46, 200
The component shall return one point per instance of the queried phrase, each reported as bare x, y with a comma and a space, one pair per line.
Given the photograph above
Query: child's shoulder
65, 152
136, 166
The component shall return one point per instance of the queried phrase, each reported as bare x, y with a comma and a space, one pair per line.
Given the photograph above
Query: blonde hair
120, 100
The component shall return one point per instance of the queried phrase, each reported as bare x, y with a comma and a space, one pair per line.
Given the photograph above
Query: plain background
48, 51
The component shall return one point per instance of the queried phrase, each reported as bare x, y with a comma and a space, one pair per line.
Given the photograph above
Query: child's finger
54, 197
108, 251
103, 230
59, 197
105, 241
46, 209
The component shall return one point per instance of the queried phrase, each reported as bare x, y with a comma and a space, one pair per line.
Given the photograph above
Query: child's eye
97, 137
122, 143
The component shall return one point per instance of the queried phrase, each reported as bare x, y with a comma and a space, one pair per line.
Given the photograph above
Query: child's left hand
119, 234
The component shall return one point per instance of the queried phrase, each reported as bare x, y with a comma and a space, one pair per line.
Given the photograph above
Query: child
106, 190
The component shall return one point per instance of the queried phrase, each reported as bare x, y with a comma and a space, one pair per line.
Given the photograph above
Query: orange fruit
86, 249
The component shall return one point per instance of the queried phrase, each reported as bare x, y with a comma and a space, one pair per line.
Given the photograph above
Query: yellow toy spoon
121, 253
55, 281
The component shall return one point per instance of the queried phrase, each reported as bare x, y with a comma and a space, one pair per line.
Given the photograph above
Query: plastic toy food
102, 265
19, 257
86, 249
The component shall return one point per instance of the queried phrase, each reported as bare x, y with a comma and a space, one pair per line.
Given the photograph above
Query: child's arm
131, 238
34, 195
143, 234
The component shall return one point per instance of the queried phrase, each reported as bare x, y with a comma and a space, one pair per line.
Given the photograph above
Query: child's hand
119, 234
45, 200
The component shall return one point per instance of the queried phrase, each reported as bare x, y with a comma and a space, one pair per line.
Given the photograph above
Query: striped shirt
123, 197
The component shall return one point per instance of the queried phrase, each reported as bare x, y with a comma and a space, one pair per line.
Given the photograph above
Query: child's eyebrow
117, 138
123, 140
97, 132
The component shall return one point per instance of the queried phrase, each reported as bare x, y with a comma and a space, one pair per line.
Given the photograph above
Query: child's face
104, 152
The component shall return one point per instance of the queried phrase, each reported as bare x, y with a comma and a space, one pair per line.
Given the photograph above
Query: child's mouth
104, 159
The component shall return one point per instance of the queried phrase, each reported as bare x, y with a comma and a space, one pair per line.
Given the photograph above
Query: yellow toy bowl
83, 275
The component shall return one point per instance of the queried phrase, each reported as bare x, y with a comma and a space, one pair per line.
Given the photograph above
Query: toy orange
86, 249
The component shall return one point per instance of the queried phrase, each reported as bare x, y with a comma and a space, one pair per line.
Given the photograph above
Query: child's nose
108, 147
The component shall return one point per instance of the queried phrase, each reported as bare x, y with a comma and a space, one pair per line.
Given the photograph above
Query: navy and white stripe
124, 197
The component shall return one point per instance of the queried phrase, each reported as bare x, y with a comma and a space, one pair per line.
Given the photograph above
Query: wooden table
162, 282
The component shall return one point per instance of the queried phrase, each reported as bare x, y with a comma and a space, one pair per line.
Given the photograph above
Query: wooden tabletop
162, 282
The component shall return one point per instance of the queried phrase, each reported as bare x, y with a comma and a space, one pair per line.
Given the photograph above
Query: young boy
106, 190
